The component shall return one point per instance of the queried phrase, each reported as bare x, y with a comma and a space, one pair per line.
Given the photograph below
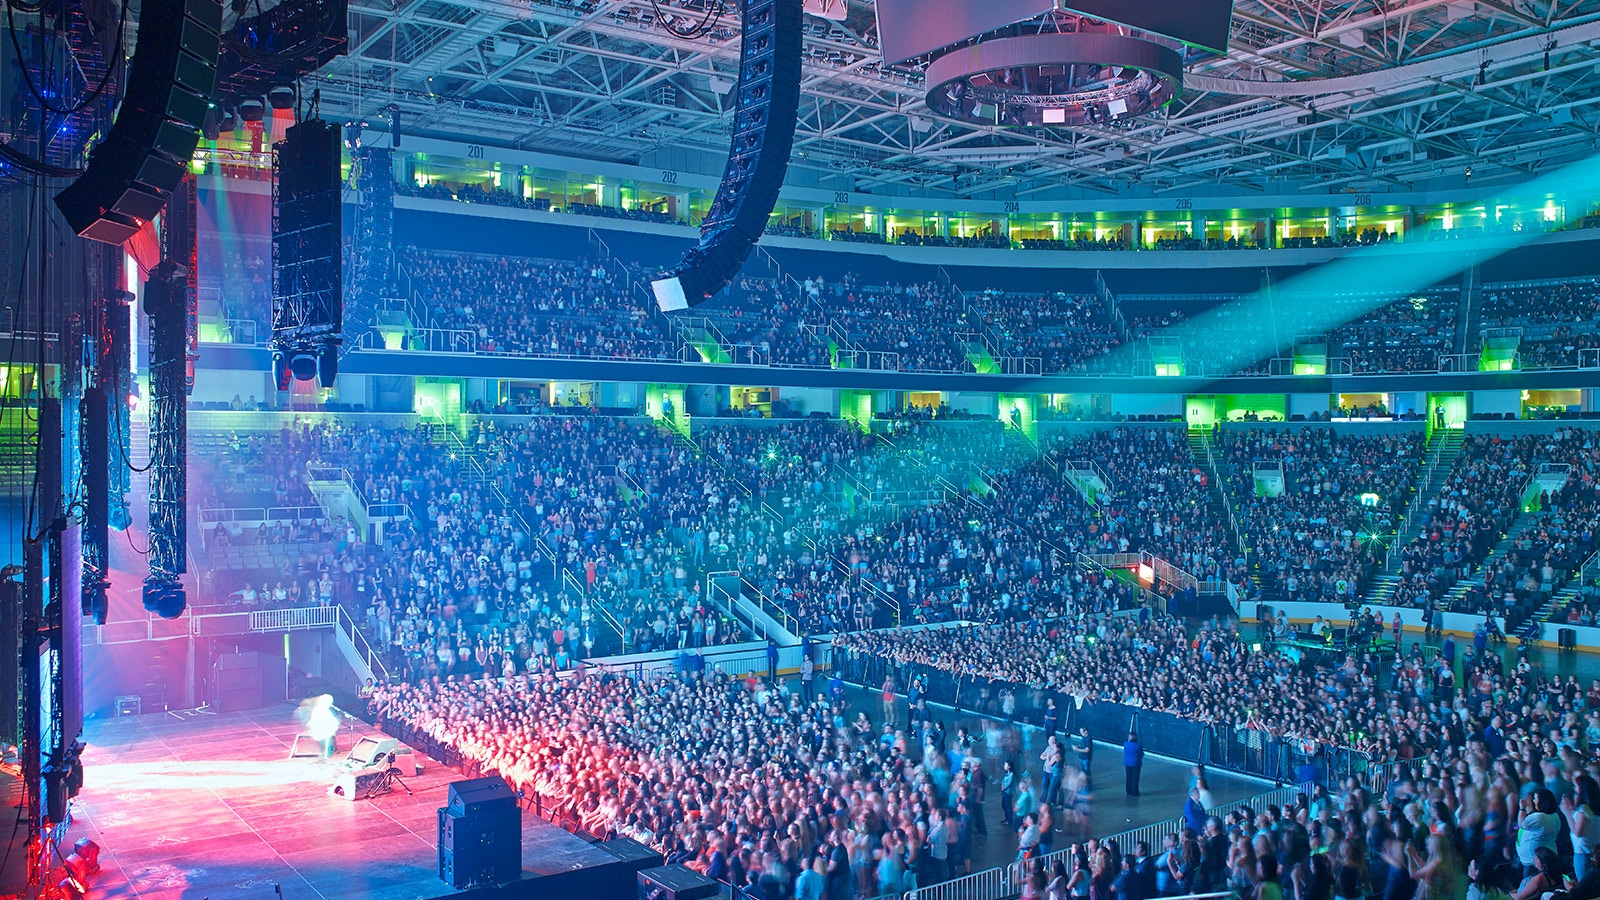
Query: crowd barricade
1245, 751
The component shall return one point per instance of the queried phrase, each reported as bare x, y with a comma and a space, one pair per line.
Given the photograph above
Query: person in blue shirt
812, 882
1126, 885
1306, 776
1084, 745
1144, 866
1194, 815
1132, 762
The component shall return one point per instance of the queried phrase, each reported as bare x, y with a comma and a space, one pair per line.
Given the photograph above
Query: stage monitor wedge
133, 171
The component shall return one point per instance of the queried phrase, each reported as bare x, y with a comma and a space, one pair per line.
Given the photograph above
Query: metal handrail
610, 618
373, 659
1590, 568
1167, 573
294, 618
1222, 488
876, 360
773, 608
1418, 500
748, 621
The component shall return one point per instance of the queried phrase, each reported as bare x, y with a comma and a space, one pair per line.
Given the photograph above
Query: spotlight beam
1380, 271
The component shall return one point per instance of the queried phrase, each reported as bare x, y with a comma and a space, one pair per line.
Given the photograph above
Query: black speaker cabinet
475, 795
482, 848
631, 851
675, 883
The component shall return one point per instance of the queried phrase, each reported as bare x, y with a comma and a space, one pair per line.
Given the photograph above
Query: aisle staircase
1439, 459
703, 337
1437, 462
1458, 591
1089, 479
1586, 574
978, 353
1201, 447
1466, 314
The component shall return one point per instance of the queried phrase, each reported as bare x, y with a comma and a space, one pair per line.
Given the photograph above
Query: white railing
294, 619
1084, 468
877, 360
363, 659
1590, 569
358, 649
1167, 573
253, 517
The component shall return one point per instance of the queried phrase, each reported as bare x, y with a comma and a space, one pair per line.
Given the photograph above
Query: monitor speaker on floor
480, 834
676, 883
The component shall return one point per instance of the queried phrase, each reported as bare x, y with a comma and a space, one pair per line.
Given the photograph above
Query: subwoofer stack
480, 834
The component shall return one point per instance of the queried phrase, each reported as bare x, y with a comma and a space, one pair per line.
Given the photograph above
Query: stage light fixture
79, 867
281, 96
89, 850
166, 600
252, 109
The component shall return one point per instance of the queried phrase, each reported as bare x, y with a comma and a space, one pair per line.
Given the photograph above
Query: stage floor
210, 806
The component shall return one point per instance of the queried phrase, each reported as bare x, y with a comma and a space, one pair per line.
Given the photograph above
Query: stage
210, 806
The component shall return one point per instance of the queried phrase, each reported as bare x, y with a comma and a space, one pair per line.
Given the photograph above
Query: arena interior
800, 449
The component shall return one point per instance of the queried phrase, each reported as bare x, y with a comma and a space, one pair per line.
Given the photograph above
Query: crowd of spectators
1157, 499
498, 196
530, 307
525, 534
1316, 540
1557, 536
1405, 335
1194, 243
851, 236
1228, 334
1551, 318
919, 322
1480, 498
984, 240
748, 782
759, 312
1221, 335
1559, 349
239, 274
1063, 331
471, 193
784, 794
1498, 793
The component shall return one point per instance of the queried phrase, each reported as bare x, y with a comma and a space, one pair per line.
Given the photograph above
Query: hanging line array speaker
763, 135
170, 81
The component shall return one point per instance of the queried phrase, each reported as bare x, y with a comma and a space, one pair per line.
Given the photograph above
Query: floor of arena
209, 805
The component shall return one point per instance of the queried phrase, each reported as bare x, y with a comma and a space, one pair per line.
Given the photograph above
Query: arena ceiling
1316, 95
